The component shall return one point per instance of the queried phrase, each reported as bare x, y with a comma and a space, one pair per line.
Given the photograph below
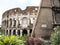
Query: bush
11, 40
55, 37
23, 38
1, 31
33, 41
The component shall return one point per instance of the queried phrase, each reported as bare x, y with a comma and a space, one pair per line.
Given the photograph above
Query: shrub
11, 40
55, 37
33, 41
23, 37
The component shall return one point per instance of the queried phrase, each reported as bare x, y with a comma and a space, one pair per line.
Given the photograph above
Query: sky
9, 4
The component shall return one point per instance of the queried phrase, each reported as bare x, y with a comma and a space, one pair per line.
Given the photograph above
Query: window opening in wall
56, 15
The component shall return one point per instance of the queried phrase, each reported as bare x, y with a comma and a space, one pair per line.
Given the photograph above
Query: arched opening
24, 22
10, 22
18, 24
6, 32
24, 32
9, 32
7, 23
14, 23
30, 31
18, 32
14, 32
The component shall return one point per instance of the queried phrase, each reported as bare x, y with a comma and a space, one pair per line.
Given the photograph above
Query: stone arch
18, 23
18, 32
9, 32
14, 22
30, 31
24, 22
24, 19
24, 32
14, 32
10, 22
6, 32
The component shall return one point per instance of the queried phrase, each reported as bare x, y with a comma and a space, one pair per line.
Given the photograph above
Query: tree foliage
12, 40
55, 37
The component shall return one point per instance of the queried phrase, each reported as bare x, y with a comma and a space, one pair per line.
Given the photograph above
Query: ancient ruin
48, 17
19, 22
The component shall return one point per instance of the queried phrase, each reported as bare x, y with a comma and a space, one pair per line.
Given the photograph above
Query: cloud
35, 2
8, 4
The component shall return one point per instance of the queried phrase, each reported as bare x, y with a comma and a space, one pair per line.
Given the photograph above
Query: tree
55, 37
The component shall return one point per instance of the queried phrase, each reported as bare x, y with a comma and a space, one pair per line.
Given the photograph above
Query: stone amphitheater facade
48, 19
19, 22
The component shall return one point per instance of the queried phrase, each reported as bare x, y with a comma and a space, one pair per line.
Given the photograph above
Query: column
8, 31
28, 18
16, 32
21, 33
16, 23
11, 32
28, 32
5, 32
12, 22
9, 23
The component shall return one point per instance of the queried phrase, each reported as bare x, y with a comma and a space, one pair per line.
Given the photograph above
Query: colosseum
19, 22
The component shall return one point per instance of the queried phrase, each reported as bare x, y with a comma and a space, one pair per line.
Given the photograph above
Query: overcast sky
9, 4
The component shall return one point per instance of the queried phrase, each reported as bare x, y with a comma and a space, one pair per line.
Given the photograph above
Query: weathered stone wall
44, 24
17, 21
